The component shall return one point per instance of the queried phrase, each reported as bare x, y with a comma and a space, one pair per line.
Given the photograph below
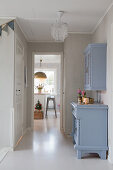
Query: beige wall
74, 47
34, 48
101, 35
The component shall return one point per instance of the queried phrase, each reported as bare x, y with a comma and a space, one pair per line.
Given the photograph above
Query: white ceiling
36, 16
47, 59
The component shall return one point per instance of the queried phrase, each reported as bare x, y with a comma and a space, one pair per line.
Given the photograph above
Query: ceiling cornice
26, 37
70, 32
101, 19
46, 41
75, 32
6, 17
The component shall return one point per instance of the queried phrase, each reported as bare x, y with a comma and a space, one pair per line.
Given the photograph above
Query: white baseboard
109, 159
3, 152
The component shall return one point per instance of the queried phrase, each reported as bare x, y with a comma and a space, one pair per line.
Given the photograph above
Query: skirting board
109, 159
3, 152
110, 155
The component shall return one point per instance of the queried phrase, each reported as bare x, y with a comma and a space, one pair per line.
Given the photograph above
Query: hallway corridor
46, 148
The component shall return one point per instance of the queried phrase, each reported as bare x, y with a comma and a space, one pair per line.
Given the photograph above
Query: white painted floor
48, 149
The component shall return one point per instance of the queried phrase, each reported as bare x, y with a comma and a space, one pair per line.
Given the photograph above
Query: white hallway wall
103, 35
7, 55
6, 86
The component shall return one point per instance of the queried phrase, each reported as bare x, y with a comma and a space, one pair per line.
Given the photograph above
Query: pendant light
59, 30
40, 75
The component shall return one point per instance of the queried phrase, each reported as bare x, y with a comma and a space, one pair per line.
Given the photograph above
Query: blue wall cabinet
95, 67
89, 130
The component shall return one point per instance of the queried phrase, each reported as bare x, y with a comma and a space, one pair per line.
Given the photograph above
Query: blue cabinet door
95, 67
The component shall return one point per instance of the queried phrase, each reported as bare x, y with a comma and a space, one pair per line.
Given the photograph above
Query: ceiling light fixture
59, 30
40, 75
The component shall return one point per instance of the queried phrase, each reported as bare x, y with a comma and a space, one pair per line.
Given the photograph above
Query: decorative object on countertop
89, 129
40, 87
83, 93
79, 92
91, 100
85, 100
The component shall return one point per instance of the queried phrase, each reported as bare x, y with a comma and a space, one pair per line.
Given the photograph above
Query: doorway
110, 93
52, 65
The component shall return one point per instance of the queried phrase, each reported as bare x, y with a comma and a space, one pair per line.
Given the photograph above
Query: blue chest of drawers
89, 130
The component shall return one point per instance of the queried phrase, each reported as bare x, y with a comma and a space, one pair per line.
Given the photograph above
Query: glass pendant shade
59, 31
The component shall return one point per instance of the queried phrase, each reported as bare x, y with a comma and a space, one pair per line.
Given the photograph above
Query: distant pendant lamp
40, 75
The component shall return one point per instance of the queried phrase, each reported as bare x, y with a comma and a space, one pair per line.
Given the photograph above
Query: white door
19, 90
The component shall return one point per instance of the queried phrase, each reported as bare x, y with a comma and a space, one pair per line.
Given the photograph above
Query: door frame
110, 115
62, 117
